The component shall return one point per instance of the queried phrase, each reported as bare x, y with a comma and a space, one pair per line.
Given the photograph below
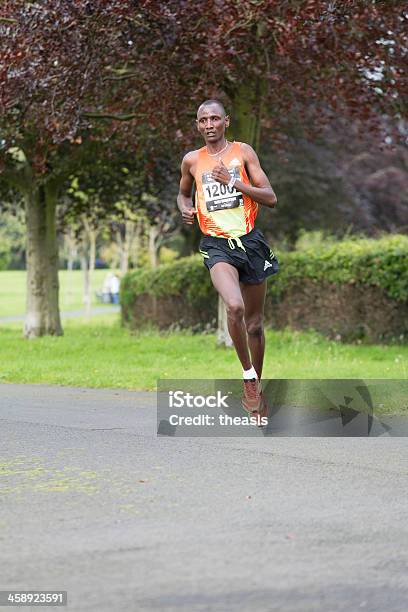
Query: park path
93, 502
68, 313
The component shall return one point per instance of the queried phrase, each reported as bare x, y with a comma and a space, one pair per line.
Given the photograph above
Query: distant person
230, 184
114, 289
106, 289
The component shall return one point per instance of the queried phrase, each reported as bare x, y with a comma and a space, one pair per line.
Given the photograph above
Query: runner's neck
221, 148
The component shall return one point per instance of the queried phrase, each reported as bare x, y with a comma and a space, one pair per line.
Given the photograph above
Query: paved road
94, 503
68, 314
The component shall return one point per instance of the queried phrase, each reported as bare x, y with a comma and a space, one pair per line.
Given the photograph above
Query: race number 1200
219, 196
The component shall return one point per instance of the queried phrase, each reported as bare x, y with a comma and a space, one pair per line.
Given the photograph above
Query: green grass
12, 290
100, 353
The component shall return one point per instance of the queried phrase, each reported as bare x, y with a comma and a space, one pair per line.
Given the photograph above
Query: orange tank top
221, 210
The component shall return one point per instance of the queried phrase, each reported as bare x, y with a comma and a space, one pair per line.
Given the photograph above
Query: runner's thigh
254, 299
226, 281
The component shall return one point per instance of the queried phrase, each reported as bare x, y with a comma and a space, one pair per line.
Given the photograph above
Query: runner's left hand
220, 173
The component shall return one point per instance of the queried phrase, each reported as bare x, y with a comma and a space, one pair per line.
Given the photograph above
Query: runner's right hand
188, 215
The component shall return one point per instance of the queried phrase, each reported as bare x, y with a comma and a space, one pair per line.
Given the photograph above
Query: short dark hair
213, 101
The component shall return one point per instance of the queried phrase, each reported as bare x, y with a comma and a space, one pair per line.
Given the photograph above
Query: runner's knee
254, 326
235, 310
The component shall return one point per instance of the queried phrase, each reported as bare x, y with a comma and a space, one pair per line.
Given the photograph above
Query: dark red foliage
134, 72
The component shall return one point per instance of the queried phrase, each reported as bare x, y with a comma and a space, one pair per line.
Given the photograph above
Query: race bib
218, 196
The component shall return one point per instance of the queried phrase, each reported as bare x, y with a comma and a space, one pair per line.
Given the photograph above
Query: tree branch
122, 77
122, 117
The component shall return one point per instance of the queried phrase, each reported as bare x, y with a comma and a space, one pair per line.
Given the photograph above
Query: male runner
230, 184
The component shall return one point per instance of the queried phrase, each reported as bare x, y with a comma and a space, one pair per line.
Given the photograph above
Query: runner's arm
260, 189
184, 200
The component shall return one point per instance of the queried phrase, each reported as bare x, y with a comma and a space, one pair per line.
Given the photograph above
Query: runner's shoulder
190, 158
189, 163
247, 150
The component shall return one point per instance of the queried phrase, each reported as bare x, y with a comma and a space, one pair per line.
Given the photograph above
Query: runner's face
211, 123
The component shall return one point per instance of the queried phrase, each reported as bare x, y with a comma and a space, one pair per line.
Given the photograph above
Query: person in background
114, 288
106, 289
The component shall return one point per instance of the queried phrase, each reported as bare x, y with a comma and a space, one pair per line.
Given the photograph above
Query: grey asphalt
94, 503
67, 314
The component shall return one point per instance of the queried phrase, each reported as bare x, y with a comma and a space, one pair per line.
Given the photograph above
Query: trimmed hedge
185, 277
379, 263
376, 268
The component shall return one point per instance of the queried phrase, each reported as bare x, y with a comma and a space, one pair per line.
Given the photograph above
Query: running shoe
262, 416
252, 397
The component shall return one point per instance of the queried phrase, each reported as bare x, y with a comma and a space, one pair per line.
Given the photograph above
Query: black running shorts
255, 262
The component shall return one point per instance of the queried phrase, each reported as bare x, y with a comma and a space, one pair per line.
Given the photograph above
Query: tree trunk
126, 245
153, 254
124, 255
72, 255
223, 336
88, 263
92, 257
92, 250
137, 243
154, 260
42, 311
86, 298
118, 262
246, 114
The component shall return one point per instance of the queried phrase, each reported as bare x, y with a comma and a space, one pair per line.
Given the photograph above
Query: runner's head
212, 120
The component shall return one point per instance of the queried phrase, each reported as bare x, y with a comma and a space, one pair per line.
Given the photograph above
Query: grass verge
100, 353
13, 290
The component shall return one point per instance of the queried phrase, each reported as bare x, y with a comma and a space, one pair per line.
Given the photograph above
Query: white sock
249, 374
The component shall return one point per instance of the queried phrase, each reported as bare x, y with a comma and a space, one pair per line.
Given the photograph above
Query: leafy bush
382, 263
186, 277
